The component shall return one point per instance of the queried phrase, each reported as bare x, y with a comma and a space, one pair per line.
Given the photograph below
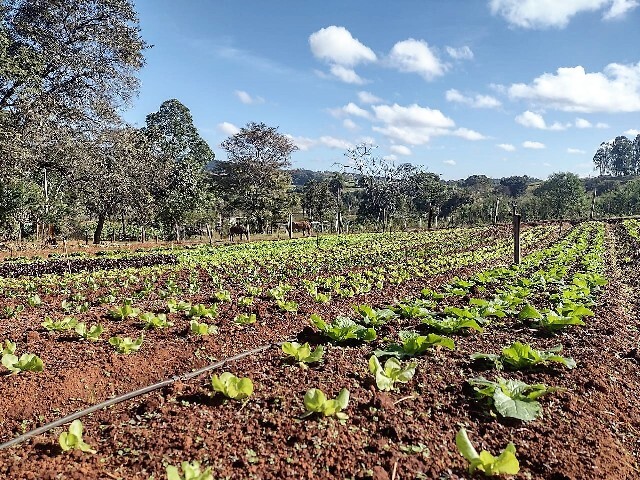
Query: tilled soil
588, 431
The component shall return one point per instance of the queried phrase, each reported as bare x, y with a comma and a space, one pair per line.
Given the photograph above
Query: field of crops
413, 340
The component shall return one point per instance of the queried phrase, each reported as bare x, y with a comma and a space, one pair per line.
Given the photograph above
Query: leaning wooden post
290, 226
247, 227
593, 205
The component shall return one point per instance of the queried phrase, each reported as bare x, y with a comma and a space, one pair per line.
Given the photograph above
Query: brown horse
238, 230
304, 227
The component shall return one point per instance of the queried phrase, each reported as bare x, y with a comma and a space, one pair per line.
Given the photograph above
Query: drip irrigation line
133, 394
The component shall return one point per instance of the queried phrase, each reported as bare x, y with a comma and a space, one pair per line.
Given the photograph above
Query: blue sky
459, 87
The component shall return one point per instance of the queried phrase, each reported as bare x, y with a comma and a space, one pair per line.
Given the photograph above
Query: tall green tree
181, 156
252, 178
562, 195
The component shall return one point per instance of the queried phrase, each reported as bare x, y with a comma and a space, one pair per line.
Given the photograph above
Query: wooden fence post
593, 205
516, 236
290, 226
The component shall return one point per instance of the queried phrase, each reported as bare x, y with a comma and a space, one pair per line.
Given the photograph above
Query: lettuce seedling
315, 401
200, 310
371, 316
253, 290
412, 343
392, 372
231, 386
34, 300
67, 323
222, 296
126, 345
28, 362
553, 322
287, 306
343, 328
512, 398
504, 464
151, 320
450, 325
245, 318
202, 328
521, 355
175, 306
72, 439
124, 312
245, 301
191, 471
9, 347
92, 333
302, 353
321, 297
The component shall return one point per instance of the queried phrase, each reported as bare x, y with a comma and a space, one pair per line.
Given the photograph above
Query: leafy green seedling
450, 325
175, 306
200, 311
8, 348
287, 305
303, 353
245, 318
321, 297
315, 401
553, 322
521, 355
123, 312
28, 362
529, 312
512, 398
504, 464
198, 328
412, 343
191, 471
253, 290
222, 296
151, 320
343, 328
125, 344
392, 372
371, 316
231, 386
34, 300
67, 323
245, 301
72, 440
92, 333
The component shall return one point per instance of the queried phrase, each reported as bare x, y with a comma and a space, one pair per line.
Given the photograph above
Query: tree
180, 159
562, 195
621, 155
252, 177
516, 185
602, 158
63, 64
318, 200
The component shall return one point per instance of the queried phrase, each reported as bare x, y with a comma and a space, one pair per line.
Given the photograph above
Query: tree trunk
97, 235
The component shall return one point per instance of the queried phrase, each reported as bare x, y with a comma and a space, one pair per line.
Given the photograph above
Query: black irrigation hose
130, 395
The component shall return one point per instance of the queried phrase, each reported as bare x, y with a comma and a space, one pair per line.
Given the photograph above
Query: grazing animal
304, 227
238, 230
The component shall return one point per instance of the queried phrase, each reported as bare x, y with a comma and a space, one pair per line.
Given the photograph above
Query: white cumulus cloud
533, 145
530, 119
400, 149
333, 142
416, 125
349, 124
368, 97
571, 89
449, 162
462, 53
584, 123
350, 109
632, 132
477, 101
507, 147
415, 56
336, 45
303, 143
228, 128
555, 13
575, 151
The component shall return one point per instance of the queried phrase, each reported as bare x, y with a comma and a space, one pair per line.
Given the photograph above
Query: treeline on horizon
71, 167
